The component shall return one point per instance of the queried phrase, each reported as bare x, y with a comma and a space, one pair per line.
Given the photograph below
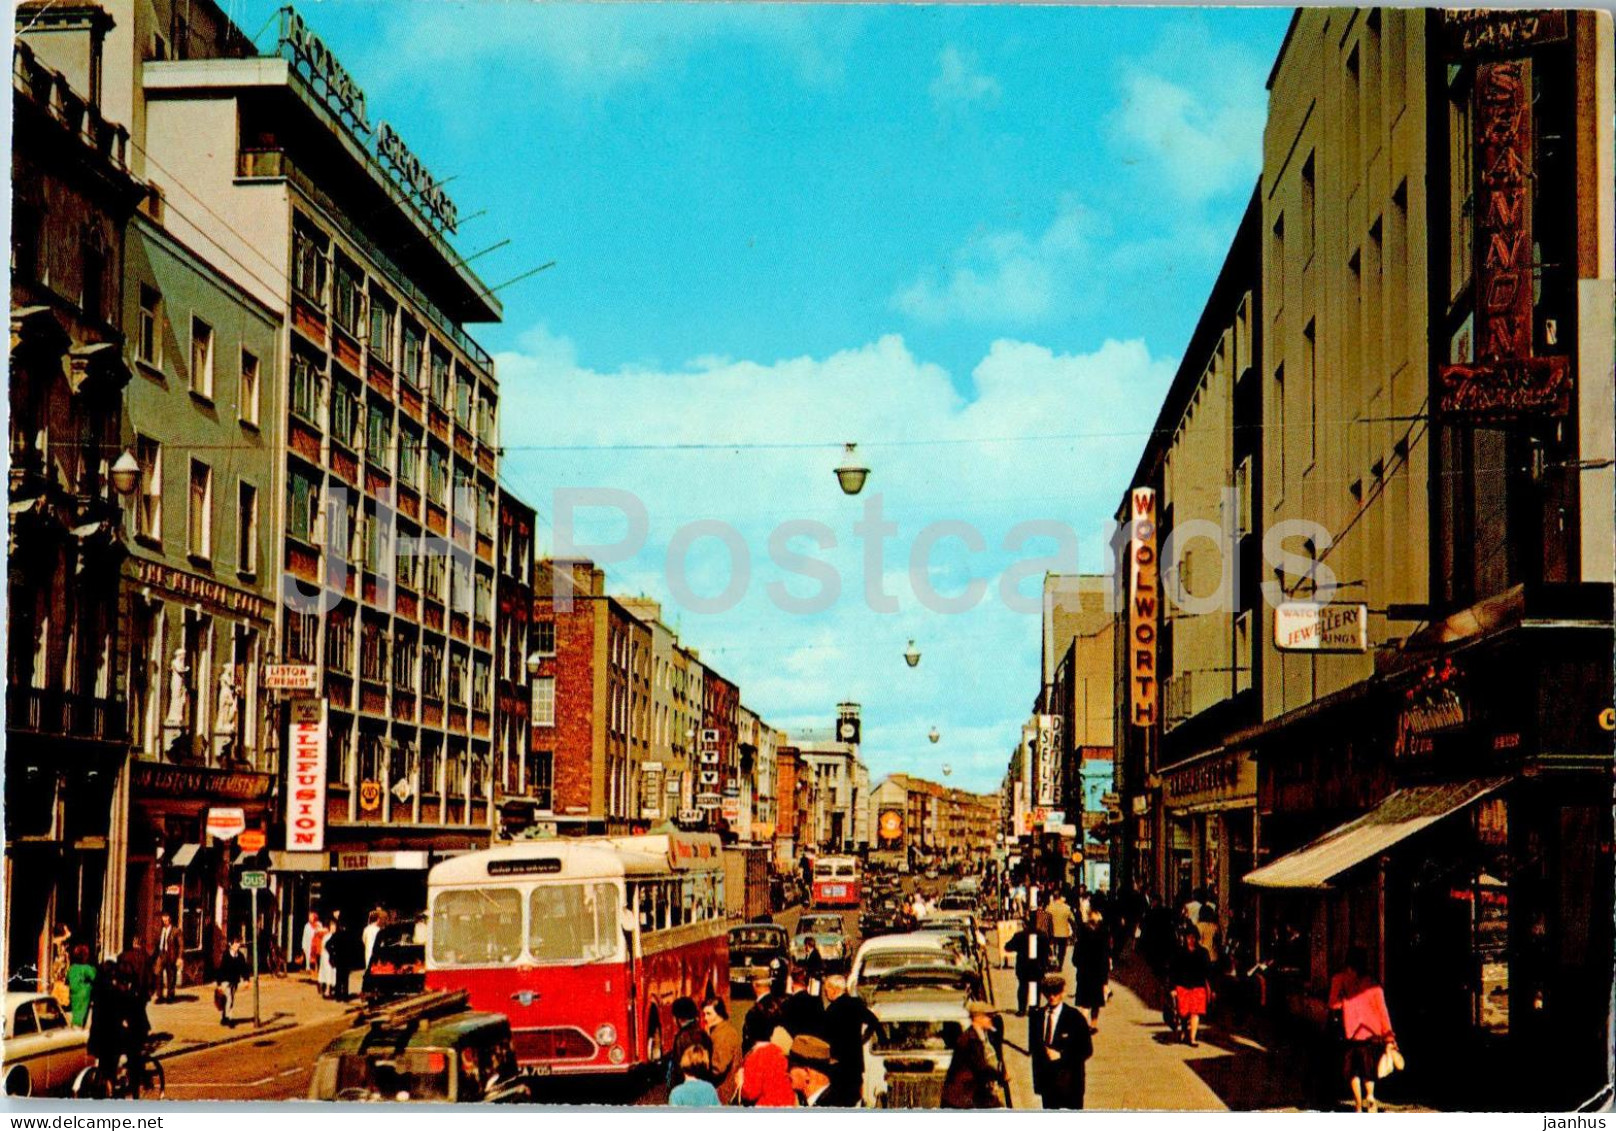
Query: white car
44, 1053
889, 952
920, 1021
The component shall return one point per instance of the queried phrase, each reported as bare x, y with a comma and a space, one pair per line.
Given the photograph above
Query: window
305, 389
378, 433
435, 555
544, 701
372, 653
477, 927
465, 498
149, 506
382, 311
571, 923
540, 766
432, 671
344, 413
1308, 229
409, 454
375, 548
308, 261
149, 334
484, 610
339, 642
1279, 428
485, 508
437, 475
1278, 261
201, 358
404, 651
414, 348
246, 527
479, 684
199, 529
440, 377
1242, 496
1311, 377
462, 399
457, 679
302, 504
407, 560
347, 293
460, 600
487, 418
93, 273
544, 637
249, 388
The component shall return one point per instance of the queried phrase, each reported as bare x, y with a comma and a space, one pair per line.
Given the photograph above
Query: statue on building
224, 718
177, 723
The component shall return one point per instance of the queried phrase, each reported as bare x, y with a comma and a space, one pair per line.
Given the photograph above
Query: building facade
66, 724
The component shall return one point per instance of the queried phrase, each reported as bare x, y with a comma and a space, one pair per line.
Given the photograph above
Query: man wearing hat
810, 1065
1061, 1046
976, 1076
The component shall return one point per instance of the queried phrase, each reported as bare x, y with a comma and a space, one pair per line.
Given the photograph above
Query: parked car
45, 1055
756, 949
397, 962
428, 1049
883, 917
889, 952
828, 934
957, 901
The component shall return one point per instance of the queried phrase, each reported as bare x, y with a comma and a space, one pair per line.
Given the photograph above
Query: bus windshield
481, 926
573, 923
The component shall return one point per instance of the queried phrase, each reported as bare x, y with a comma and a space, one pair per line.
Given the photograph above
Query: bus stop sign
254, 880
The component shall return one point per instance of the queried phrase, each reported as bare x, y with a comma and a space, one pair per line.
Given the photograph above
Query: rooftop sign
329, 80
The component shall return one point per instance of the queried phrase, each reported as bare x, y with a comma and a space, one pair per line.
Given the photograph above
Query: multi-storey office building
661, 773
270, 169
66, 727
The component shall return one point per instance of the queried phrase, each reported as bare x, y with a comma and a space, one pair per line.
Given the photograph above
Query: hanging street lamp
935, 735
912, 655
851, 474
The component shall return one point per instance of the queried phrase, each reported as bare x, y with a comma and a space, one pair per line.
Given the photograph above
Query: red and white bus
836, 881
584, 943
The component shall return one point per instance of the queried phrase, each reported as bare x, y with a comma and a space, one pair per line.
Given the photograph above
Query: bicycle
143, 1081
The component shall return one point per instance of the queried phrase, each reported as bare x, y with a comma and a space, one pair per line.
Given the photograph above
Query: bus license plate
538, 1069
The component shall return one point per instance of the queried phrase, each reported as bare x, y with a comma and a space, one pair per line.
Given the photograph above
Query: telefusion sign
305, 777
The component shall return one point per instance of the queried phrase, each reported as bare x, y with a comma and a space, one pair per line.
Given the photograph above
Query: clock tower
847, 723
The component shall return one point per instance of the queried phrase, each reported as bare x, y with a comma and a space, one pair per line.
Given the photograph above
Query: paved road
276, 1066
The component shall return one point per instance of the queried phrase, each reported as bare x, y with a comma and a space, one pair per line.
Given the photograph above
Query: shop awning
1398, 817
184, 856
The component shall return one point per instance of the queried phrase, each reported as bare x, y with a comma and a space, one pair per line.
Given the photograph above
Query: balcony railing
40, 710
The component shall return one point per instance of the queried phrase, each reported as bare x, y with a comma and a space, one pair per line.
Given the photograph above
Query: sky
973, 240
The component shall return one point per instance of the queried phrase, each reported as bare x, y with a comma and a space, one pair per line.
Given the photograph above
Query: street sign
254, 881
252, 840
291, 677
226, 824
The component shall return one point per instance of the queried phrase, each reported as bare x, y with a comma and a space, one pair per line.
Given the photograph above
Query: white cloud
960, 82
1004, 276
1200, 128
974, 680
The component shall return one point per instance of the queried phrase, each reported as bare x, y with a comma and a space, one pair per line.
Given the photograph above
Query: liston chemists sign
1142, 605
305, 777
1303, 627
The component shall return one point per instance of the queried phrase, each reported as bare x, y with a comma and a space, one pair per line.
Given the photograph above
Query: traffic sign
251, 881
252, 840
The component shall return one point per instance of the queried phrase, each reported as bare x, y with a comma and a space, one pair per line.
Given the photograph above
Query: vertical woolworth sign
305, 777
1142, 605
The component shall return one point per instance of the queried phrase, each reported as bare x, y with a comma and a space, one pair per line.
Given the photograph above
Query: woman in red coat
1365, 1023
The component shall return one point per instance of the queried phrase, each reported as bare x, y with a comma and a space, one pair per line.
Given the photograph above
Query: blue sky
938, 231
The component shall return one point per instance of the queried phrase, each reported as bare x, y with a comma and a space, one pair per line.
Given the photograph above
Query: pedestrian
688, 1017
765, 1076
764, 1016
803, 1012
1060, 918
232, 969
325, 969
1366, 1025
813, 965
170, 953
1093, 965
109, 1007
975, 1077
1062, 1043
848, 1024
1209, 929
1031, 948
310, 944
336, 948
80, 984
810, 1064
693, 1088
372, 929
726, 1055
1192, 987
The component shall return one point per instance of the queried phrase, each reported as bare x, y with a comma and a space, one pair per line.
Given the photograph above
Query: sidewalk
191, 1023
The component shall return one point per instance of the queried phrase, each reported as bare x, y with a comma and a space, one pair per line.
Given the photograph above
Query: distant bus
836, 881
583, 942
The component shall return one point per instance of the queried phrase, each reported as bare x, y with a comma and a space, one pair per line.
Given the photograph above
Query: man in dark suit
1061, 1047
764, 1015
976, 1076
170, 950
1032, 948
802, 1012
848, 1024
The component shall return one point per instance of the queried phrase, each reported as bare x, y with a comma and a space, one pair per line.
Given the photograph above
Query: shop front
1211, 805
176, 868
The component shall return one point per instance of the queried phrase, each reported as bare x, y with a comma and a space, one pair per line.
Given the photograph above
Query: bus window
573, 922
477, 927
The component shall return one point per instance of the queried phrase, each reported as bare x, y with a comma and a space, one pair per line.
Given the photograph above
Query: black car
397, 962
884, 916
754, 949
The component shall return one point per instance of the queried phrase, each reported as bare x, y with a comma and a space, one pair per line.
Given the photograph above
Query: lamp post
851, 474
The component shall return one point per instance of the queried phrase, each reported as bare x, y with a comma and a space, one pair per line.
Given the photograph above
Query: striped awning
1398, 817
